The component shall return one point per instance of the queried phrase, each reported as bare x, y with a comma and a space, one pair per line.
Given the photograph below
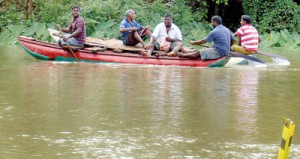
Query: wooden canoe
49, 51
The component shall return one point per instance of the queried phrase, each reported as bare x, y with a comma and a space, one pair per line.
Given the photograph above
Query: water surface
85, 110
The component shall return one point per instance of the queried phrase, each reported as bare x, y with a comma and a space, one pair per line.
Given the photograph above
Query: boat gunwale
190, 62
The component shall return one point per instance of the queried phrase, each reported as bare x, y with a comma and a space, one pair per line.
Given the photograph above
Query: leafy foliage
274, 15
281, 39
279, 18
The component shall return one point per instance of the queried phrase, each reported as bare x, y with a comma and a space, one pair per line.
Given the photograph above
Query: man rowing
77, 27
222, 38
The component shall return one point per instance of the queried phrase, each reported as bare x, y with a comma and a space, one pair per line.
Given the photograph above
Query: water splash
280, 61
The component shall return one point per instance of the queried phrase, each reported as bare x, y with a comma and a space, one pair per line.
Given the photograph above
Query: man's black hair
217, 19
246, 18
75, 7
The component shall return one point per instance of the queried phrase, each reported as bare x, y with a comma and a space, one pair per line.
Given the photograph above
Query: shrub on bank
103, 19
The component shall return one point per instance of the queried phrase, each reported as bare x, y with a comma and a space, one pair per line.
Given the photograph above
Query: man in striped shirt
248, 37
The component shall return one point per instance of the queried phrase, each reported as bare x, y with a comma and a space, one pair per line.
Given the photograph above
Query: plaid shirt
78, 22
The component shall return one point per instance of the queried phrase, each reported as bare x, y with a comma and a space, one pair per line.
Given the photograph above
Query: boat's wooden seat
95, 49
112, 44
118, 47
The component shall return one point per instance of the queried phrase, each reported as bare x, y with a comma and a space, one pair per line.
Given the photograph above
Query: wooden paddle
235, 54
266, 54
271, 55
68, 46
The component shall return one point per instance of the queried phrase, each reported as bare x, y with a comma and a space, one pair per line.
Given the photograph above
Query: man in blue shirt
132, 31
221, 37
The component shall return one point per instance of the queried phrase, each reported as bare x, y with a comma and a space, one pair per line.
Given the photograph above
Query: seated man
166, 37
77, 26
133, 31
248, 37
221, 37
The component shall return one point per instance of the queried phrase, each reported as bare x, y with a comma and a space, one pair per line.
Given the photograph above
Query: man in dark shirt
221, 37
77, 27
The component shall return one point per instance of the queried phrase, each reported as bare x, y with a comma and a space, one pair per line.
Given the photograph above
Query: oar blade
235, 54
272, 55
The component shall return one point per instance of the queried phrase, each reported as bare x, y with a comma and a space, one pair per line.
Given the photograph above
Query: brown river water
84, 110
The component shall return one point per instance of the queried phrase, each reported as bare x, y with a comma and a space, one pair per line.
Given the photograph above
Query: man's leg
204, 54
147, 32
61, 42
147, 52
175, 49
240, 49
139, 39
209, 54
134, 38
74, 42
192, 55
155, 46
138, 35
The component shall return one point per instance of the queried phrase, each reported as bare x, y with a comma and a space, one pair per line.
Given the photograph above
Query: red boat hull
50, 51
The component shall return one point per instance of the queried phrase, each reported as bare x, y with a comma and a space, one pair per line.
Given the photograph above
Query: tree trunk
216, 11
29, 8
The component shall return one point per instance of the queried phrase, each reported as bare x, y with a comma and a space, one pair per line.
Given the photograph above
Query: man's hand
134, 28
150, 46
192, 42
65, 37
59, 27
146, 27
168, 39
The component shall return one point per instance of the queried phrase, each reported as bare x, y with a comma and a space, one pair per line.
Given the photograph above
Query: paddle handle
68, 46
71, 51
59, 35
204, 46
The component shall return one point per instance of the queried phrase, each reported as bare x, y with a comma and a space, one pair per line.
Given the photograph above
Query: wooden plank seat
118, 47
95, 49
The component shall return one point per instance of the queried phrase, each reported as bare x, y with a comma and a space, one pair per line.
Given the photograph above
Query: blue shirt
125, 24
221, 37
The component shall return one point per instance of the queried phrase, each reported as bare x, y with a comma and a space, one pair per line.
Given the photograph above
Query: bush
274, 15
103, 18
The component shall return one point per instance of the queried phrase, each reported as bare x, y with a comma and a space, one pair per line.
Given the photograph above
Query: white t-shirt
160, 32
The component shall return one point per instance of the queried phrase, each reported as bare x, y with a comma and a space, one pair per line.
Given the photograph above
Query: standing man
77, 27
132, 32
248, 37
221, 37
166, 36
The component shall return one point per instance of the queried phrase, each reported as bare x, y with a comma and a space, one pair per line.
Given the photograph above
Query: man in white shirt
166, 37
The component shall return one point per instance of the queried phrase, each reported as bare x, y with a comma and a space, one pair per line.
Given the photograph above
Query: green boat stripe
35, 55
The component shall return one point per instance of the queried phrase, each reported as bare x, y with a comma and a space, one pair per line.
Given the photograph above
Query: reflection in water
247, 106
71, 110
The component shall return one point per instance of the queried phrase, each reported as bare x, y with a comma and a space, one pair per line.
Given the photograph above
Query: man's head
246, 19
130, 14
168, 19
75, 11
216, 20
